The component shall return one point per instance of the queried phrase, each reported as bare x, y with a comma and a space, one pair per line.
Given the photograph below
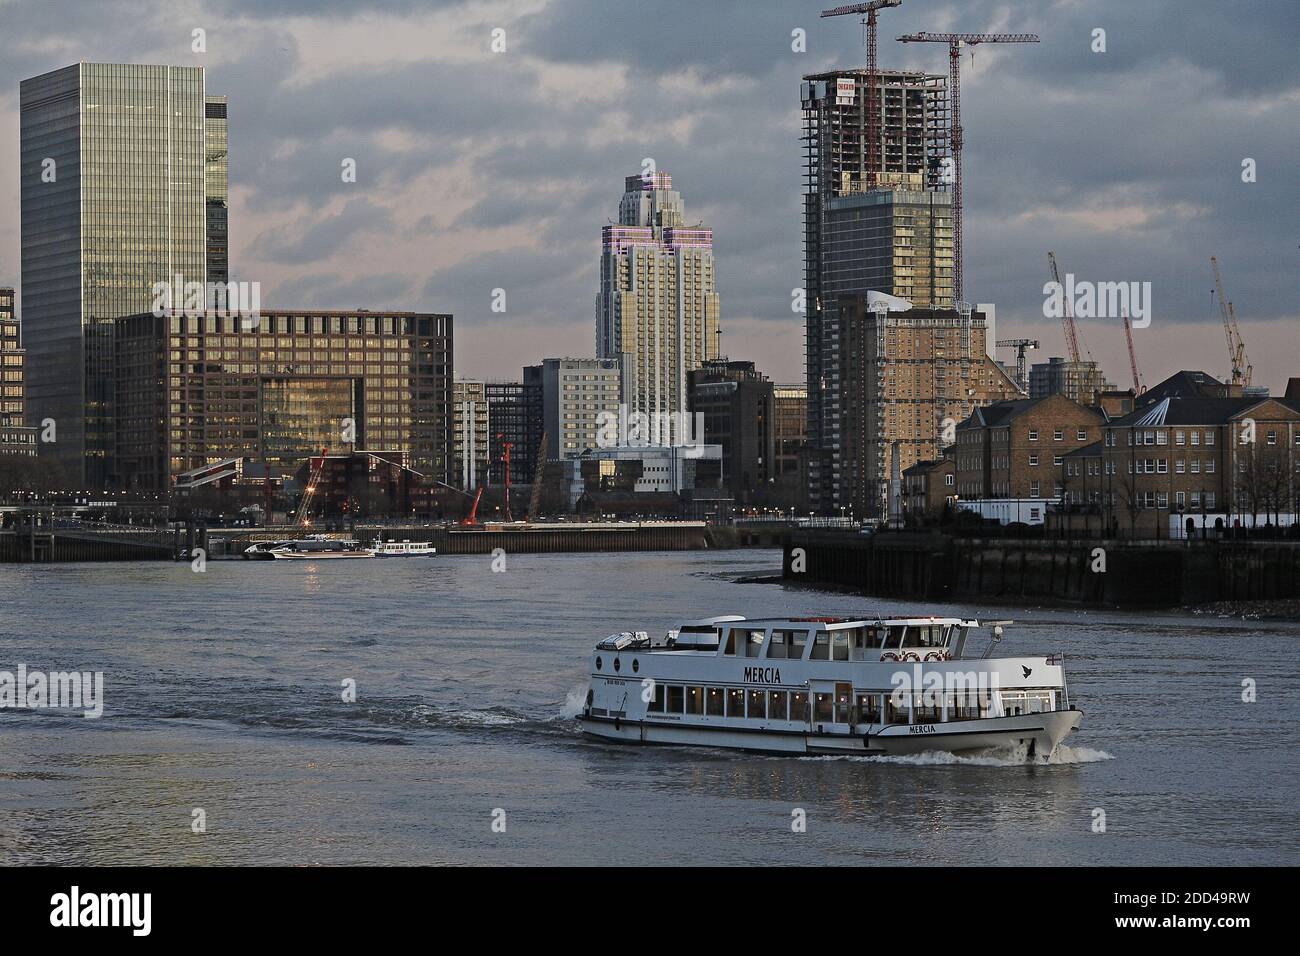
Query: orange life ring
934, 656
911, 656
887, 656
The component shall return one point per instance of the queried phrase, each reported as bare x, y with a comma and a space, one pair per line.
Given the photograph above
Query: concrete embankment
1092, 573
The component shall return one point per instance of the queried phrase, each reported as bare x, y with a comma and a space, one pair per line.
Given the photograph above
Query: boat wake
1010, 757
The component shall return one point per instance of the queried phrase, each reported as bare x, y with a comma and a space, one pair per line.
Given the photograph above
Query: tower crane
1067, 312
955, 42
1020, 345
1241, 367
873, 165
1138, 387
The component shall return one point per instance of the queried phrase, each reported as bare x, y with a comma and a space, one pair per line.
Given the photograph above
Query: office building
735, 404
196, 389
580, 398
114, 185
515, 412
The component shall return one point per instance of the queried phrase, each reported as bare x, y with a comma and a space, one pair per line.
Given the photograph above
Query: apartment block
904, 381
735, 402
15, 437
515, 414
470, 431
1083, 382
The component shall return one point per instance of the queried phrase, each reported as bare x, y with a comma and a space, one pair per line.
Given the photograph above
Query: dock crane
873, 165
1020, 345
955, 42
1241, 367
1067, 312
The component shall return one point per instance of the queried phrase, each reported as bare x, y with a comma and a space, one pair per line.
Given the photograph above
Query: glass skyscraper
116, 172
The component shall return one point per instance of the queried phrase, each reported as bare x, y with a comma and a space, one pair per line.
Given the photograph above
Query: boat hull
320, 555
1040, 732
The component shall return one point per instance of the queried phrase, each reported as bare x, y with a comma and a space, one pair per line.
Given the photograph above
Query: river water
224, 695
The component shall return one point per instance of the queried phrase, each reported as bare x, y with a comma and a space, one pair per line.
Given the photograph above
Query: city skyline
499, 198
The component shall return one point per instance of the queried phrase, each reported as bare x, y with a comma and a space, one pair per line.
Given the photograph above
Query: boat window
895, 713
713, 702
821, 646
776, 704
758, 703
895, 636
869, 708
874, 637
656, 705
783, 645
926, 708
841, 645
735, 703
822, 708
798, 705
843, 703
855, 638
962, 705
753, 643
675, 697
912, 636
729, 649
947, 634
695, 700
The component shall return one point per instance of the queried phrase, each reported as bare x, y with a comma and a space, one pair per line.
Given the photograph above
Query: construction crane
1241, 367
873, 165
535, 499
955, 42
1067, 312
1020, 345
1138, 387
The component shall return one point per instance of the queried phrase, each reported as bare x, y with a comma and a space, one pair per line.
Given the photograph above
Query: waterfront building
470, 431
193, 389
870, 231
1016, 449
515, 411
929, 487
903, 382
657, 310
115, 179
579, 396
735, 404
16, 438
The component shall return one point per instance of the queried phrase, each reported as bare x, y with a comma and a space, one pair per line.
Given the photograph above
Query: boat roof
830, 622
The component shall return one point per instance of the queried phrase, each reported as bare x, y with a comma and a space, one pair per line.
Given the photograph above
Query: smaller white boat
320, 549
403, 549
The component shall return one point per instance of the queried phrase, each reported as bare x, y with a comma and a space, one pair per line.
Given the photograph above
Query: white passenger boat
319, 549
825, 685
403, 549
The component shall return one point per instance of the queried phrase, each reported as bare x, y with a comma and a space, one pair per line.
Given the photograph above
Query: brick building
928, 486
1189, 462
1016, 449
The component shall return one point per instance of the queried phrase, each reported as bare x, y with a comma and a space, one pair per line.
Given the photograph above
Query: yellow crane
1241, 367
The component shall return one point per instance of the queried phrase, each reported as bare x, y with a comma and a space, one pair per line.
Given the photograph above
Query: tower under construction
911, 157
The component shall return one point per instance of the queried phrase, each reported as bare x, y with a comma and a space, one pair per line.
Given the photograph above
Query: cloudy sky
479, 170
